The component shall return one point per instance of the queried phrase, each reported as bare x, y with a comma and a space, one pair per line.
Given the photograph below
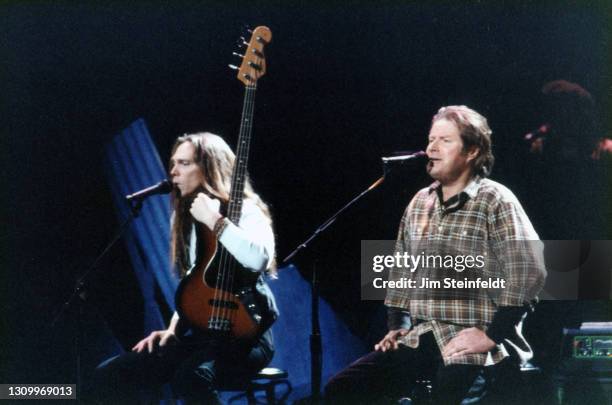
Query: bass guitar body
218, 309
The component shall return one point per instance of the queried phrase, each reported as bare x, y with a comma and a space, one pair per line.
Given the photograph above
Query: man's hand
155, 340
389, 342
468, 341
205, 210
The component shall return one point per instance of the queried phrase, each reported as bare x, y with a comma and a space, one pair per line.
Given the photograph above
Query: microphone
540, 132
405, 158
163, 187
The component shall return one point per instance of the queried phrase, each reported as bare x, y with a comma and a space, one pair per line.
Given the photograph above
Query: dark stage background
346, 84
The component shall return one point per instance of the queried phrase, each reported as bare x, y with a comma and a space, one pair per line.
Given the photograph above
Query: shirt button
464, 233
440, 228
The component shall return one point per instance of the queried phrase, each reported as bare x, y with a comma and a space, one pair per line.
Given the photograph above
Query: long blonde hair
215, 160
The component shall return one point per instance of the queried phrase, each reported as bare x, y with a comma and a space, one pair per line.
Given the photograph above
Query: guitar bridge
219, 324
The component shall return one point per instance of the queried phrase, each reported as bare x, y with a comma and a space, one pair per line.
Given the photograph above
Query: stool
421, 393
266, 380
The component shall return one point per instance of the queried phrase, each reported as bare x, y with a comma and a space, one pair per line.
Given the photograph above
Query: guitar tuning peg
244, 41
233, 67
255, 66
238, 54
247, 28
241, 42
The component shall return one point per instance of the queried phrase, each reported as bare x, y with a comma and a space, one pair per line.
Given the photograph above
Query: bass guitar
210, 298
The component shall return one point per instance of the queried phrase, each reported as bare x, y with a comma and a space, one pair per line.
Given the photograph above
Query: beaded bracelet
219, 226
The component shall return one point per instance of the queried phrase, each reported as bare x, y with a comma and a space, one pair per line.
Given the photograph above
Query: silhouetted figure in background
569, 199
569, 164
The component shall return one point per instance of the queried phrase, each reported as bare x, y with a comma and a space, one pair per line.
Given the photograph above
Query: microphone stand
316, 351
79, 295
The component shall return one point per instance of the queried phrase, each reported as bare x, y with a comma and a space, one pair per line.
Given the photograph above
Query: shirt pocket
468, 234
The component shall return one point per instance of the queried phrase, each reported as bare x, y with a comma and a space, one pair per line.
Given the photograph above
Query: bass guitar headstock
253, 64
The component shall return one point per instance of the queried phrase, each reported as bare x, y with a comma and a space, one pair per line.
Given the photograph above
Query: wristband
220, 226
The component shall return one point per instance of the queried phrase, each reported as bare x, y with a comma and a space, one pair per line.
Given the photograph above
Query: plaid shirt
488, 213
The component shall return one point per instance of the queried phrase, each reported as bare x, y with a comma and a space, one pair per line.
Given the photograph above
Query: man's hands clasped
467, 341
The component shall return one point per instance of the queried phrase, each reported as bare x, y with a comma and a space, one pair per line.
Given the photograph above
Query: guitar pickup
223, 304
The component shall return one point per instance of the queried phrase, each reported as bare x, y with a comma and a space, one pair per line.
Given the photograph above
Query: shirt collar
470, 191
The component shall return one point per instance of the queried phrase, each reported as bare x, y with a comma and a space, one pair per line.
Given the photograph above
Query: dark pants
382, 378
193, 368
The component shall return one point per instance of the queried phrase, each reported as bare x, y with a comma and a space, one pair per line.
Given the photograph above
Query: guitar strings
227, 265
219, 310
244, 151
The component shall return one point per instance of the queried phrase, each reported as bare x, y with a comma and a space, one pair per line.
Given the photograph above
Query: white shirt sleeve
252, 241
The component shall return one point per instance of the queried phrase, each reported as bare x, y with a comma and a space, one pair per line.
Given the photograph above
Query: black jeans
193, 368
383, 378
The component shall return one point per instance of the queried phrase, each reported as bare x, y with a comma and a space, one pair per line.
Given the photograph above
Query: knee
339, 389
104, 382
106, 374
330, 391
